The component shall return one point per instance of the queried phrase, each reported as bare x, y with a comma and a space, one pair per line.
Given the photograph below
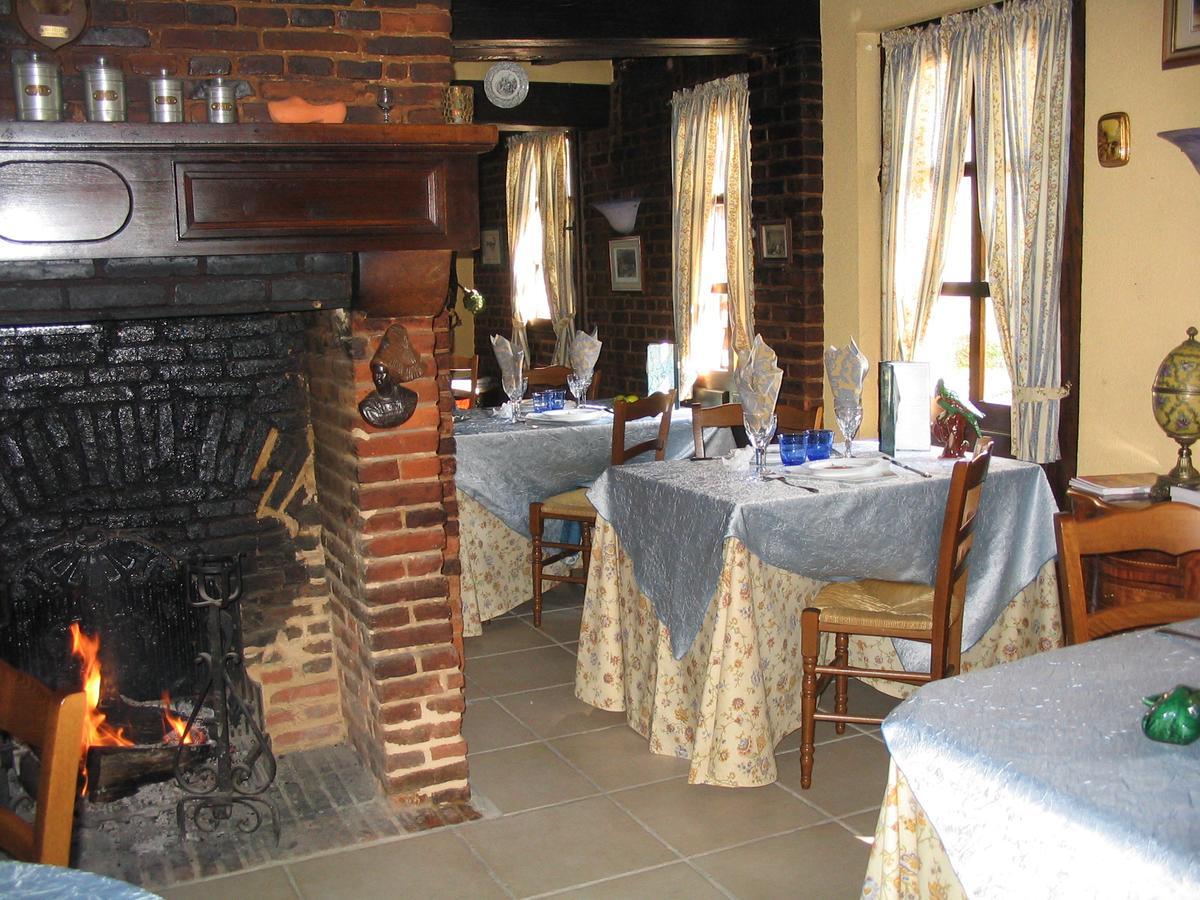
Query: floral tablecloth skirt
908, 861
736, 692
496, 565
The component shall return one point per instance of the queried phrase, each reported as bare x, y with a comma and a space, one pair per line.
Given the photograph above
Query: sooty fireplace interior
187, 315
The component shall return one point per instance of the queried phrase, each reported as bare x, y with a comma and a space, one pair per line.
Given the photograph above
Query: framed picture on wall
774, 242
1181, 33
490, 253
625, 263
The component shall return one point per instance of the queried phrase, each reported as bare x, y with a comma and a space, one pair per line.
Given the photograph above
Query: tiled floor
575, 804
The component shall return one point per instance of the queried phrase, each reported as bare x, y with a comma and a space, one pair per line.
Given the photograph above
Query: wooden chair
729, 415
53, 724
556, 377
931, 614
1172, 528
461, 369
574, 506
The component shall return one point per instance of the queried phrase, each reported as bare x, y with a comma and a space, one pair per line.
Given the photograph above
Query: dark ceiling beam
551, 50
548, 105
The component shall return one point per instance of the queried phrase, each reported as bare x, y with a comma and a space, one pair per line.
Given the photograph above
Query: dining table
32, 880
502, 466
1036, 780
698, 576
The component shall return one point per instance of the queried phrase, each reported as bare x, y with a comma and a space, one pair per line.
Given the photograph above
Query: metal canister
222, 101
166, 98
104, 92
37, 85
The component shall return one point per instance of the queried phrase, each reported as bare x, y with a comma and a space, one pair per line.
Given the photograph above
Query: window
529, 260
961, 341
710, 314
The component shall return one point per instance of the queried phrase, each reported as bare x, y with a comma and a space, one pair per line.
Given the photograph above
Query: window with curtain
713, 277
540, 200
976, 124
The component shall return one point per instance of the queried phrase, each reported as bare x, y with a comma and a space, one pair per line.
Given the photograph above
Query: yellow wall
1141, 265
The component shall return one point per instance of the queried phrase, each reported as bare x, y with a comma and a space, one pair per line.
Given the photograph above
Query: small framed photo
490, 253
625, 263
775, 242
1181, 33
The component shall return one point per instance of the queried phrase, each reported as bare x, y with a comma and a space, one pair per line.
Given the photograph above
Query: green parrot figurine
1174, 717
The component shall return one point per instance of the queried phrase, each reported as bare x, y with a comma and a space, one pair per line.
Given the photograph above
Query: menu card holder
904, 393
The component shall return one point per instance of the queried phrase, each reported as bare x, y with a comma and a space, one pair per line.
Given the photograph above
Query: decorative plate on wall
506, 84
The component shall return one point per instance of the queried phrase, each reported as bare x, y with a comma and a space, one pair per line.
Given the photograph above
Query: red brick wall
631, 158
321, 51
392, 558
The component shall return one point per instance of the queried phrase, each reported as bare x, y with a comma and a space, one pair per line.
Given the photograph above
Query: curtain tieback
1024, 393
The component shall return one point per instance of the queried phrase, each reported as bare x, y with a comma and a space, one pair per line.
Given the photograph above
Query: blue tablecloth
1039, 781
28, 881
672, 519
508, 466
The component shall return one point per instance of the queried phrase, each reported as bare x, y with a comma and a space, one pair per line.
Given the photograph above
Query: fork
783, 478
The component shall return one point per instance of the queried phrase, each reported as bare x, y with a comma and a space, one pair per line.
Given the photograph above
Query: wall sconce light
621, 214
1112, 139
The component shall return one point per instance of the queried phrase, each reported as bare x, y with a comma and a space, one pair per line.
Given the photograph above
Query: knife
896, 462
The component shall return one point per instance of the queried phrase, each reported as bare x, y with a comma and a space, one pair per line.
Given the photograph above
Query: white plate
568, 416
847, 469
506, 84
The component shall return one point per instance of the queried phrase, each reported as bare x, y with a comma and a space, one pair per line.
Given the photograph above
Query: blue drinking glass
542, 401
818, 443
558, 398
792, 450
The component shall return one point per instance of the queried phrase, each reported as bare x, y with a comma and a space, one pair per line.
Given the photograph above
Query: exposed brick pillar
390, 561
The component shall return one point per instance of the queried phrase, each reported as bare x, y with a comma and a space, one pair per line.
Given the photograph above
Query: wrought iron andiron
243, 766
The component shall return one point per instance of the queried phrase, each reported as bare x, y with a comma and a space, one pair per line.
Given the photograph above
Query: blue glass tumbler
542, 401
792, 450
558, 398
818, 443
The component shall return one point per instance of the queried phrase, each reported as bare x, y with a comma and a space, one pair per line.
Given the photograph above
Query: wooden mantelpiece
119, 190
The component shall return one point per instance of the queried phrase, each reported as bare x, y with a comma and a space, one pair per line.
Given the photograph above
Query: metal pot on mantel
1176, 396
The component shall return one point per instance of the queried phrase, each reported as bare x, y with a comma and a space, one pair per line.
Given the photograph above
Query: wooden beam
567, 49
548, 105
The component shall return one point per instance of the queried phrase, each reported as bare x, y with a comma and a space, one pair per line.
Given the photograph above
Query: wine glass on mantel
385, 101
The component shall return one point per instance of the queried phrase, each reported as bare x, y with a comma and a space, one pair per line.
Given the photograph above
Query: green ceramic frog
1174, 717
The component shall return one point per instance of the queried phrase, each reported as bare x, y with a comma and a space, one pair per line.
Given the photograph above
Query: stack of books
1135, 486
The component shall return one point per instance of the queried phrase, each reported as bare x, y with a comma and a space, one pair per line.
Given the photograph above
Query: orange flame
97, 732
173, 726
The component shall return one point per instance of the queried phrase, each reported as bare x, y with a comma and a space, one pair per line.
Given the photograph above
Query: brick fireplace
214, 341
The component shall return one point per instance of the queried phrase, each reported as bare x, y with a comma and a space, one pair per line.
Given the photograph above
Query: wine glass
849, 417
513, 382
759, 438
578, 387
385, 101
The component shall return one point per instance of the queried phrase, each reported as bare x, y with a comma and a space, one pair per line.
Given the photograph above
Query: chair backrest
950, 583
729, 415
462, 367
53, 724
659, 404
1172, 528
547, 377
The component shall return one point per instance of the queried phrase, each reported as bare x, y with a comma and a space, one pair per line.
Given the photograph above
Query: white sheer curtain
710, 148
925, 125
1022, 55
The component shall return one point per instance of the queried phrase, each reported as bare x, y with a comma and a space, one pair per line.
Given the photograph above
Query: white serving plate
854, 469
568, 416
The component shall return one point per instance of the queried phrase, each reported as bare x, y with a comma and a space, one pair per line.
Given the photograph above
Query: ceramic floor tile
848, 775
434, 864
557, 712
522, 671
825, 732
487, 726
864, 700
262, 884
562, 624
862, 825
559, 846
696, 818
618, 757
674, 882
504, 636
819, 862
522, 778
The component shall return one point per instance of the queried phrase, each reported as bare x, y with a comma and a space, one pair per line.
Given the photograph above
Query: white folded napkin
738, 460
585, 350
758, 378
512, 363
